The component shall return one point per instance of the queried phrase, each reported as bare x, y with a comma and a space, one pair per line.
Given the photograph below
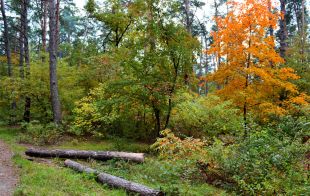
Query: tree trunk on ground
114, 181
82, 154
53, 62
6, 39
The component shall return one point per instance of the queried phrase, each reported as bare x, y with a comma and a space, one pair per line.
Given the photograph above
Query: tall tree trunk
8, 54
25, 31
24, 14
157, 117
271, 30
44, 26
303, 35
206, 68
21, 42
6, 39
188, 22
218, 56
247, 80
297, 11
188, 26
57, 23
283, 30
53, 62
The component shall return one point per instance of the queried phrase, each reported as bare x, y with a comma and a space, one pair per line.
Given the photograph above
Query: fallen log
114, 181
83, 154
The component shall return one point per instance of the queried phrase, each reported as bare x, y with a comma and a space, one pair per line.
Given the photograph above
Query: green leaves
262, 163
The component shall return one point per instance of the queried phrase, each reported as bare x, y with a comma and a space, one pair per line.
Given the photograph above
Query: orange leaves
287, 73
250, 72
300, 99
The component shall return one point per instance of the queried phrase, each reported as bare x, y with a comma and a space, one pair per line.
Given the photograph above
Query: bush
262, 164
183, 155
107, 111
91, 116
294, 126
173, 148
209, 115
40, 134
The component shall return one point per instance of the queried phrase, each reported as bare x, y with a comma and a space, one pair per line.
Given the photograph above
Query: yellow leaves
173, 148
265, 110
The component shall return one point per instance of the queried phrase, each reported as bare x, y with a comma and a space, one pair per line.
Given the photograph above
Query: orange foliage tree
250, 73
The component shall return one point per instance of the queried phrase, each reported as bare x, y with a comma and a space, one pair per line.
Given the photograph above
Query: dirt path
8, 174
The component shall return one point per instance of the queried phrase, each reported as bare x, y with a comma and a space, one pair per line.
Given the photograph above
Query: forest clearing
154, 97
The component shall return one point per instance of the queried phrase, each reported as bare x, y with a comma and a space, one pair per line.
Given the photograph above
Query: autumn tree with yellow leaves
251, 72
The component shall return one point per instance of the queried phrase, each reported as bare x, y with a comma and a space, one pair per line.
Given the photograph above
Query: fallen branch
82, 154
114, 181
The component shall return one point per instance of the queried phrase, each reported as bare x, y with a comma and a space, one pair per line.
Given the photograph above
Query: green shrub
262, 164
93, 114
40, 134
208, 114
106, 111
294, 127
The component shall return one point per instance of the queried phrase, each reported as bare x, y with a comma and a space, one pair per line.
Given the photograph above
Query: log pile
83, 154
114, 181
102, 177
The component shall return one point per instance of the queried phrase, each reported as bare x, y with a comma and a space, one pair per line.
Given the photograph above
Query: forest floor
50, 177
8, 172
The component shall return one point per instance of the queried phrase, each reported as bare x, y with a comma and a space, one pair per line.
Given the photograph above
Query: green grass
54, 179
117, 144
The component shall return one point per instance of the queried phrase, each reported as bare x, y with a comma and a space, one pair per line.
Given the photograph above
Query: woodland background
226, 106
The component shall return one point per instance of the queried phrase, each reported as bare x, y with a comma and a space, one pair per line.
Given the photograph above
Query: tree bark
188, 22
271, 30
218, 56
21, 42
6, 39
303, 27
44, 26
8, 53
157, 118
53, 62
57, 23
114, 181
25, 32
297, 11
83, 154
283, 30
26, 55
